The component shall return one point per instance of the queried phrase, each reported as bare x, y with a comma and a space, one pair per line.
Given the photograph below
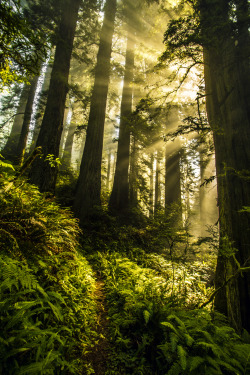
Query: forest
125, 187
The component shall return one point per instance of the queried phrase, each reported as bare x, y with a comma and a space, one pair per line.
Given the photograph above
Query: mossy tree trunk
43, 174
88, 192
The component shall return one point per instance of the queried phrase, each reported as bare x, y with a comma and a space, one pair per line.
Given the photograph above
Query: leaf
182, 355
146, 315
195, 362
175, 369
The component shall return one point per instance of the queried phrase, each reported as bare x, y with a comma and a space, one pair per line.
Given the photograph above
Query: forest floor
99, 353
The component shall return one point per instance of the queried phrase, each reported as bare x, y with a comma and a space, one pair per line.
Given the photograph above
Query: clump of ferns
194, 345
45, 327
29, 223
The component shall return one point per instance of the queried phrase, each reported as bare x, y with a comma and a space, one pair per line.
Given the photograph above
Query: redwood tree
220, 29
119, 199
43, 173
89, 182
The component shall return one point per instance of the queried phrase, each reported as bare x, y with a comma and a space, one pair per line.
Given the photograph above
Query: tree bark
41, 106
26, 121
228, 113
133, 175
68, 147
10, 149
119, 199
88, 189
151, 186
43, 174
108, 170
172, 178
157, 203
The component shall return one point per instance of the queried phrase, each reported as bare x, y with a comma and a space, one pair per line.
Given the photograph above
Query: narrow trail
99, 353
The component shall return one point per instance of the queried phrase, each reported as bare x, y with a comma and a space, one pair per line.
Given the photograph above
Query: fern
175, 369
195, 362
182, 354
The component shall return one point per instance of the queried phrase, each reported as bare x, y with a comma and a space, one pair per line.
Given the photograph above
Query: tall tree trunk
228, 113
65, 130
119, 199
108, 170
43, 174
172, 178
151, 186
88, 189
68, 147
157, 203
41, 106
10, 149
133, 175
26, 121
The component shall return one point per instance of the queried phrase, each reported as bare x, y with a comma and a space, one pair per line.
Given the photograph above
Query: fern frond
195, 362
175, 369
174, 339
182, 354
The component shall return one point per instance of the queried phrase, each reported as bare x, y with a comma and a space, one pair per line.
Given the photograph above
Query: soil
98, 355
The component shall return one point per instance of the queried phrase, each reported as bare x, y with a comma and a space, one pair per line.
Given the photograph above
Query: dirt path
99, 354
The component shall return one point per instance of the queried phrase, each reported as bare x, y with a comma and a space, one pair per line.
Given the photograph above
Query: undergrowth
154, 326
154, 283
47, 309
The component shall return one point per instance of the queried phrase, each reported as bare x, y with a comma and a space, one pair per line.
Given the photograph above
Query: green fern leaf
56, 311
174, 339
178, 320
170, 326
195, 362
182, 356
214, 363
175, 369
188, 339
146, 315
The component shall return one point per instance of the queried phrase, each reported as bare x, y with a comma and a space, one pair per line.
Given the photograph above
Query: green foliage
151, 332
44, 317
47, 310
4, 165
33, 224
22, 46
194, 344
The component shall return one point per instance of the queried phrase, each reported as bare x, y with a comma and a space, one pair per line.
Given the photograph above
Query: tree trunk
172, 179
10, 149
228, 113
108, 170
151, 186
157, 204
119, 199
26, 121
133, 175
43, 174
41, 106
67, 153
88, 189
66, 127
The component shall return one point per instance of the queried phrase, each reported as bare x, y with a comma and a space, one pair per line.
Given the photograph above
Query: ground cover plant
149, 304
156, 326
47, 310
